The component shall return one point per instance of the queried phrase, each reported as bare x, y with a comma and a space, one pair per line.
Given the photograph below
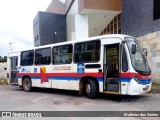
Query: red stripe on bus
131, 75
29, 74
62, 74
122, 75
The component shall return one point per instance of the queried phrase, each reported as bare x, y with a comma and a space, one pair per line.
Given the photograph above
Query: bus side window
87, 51
76, 57
124, 61
27, 58
62, 54
43, 56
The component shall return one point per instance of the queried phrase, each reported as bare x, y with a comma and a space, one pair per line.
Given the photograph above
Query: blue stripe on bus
32, 77
145, 81
100, 79
125, 79
36, 77
65, 78
141, 81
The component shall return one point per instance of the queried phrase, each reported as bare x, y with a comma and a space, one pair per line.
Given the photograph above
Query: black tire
91, 89
27, 85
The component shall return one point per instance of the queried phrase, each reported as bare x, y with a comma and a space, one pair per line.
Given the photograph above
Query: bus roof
74, 41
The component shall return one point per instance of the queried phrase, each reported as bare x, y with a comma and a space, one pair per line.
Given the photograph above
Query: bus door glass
14, 71
111, 68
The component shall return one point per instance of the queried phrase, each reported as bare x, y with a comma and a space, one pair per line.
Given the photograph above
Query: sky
16, 23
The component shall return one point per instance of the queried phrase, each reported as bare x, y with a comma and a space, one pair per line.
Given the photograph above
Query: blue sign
23, 70
35, 70
80, 68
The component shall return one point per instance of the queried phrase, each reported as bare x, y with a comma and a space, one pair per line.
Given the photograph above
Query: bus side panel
64, 78
25, 71
125, 80
41, 78
90, 72
124, 87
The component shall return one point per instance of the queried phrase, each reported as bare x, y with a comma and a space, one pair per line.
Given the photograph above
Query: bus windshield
138, 58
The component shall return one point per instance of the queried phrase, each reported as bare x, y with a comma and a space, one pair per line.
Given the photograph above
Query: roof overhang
63, 1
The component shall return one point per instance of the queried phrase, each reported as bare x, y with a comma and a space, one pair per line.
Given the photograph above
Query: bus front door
111, 68
14, 71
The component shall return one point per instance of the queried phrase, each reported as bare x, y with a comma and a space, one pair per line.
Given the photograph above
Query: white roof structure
63, 1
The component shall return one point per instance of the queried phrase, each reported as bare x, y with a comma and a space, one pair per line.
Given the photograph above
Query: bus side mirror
133, 49
145, 50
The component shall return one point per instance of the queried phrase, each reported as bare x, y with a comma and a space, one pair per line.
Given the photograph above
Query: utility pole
10, 46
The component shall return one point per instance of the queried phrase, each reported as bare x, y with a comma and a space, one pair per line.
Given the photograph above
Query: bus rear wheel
91, 89
27, 85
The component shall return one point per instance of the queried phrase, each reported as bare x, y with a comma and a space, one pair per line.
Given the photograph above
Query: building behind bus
77, 19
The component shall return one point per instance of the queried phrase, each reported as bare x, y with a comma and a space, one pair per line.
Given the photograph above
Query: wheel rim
88, 88
26, 84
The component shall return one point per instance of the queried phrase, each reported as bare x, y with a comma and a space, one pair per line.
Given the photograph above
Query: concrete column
81, 26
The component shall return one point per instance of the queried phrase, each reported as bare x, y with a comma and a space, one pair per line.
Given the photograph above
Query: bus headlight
136, 78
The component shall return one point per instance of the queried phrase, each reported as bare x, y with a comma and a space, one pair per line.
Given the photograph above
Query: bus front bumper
136, 89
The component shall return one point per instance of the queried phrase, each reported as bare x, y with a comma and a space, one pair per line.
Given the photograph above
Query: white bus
113, 64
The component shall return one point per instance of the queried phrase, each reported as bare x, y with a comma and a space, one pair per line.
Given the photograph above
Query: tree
3, 59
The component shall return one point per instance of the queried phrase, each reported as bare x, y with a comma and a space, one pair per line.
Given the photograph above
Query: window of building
87, 51
62, 54
27, 58
156, 9
114, 27
43, 56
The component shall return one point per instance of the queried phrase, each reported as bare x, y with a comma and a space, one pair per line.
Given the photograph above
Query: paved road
13, 98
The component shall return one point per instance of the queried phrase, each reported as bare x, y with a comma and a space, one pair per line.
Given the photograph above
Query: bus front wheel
27, 85
91, 89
